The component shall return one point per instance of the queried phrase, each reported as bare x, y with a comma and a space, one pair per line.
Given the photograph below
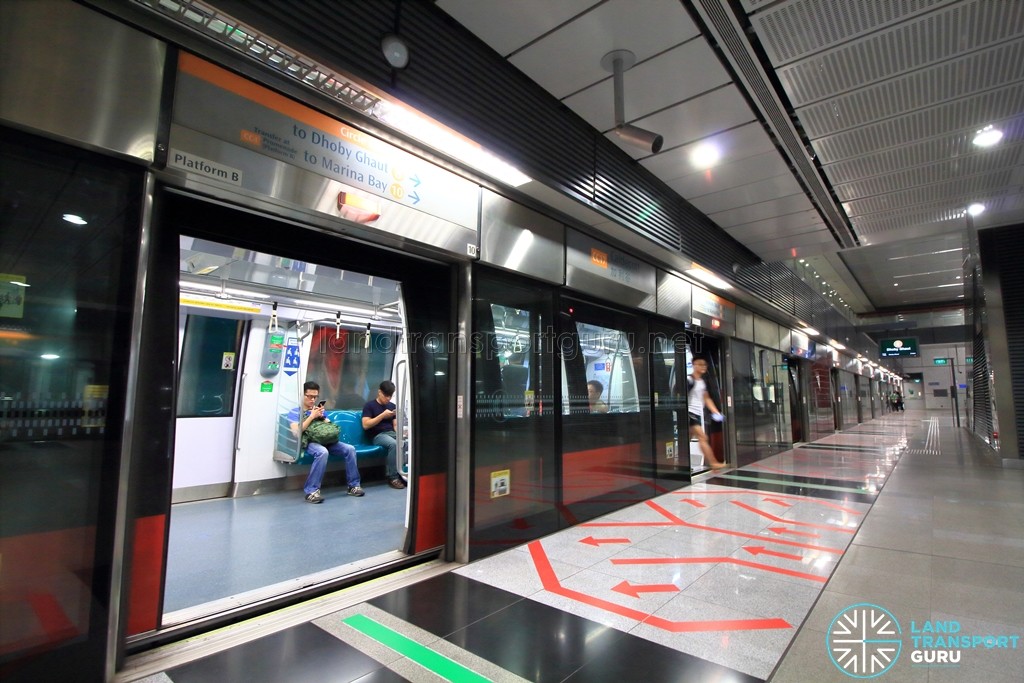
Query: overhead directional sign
898, 348
216, 102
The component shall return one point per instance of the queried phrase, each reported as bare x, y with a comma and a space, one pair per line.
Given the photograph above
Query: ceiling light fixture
444, 140
976, 209
987, 136
704, 156
930, 253
810, 330
74, 219
618, 62
708, 278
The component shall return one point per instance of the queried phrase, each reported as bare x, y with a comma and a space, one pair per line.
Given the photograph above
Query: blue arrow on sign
291, 359
414, 197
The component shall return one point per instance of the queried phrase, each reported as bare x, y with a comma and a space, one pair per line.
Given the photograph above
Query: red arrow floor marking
779, 496
694, 503
761, 550
778, 502
720, 560
597, 542
772, 517
551, 584
635, 589
675, 521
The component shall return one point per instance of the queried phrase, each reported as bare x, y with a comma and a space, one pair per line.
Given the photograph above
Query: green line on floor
782, 482
422, 655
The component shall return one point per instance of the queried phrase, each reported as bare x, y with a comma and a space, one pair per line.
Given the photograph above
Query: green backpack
322, 432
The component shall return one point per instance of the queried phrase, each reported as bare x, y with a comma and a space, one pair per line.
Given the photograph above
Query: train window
348, 366
209, 366
611, 380
513, 346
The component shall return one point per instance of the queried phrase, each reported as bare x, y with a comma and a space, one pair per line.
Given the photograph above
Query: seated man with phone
379, 423
320, 438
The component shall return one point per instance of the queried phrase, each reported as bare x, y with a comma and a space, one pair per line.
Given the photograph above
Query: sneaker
356, 491
397, 483
315, 497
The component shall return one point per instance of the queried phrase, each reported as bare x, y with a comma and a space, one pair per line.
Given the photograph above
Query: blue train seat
351, 424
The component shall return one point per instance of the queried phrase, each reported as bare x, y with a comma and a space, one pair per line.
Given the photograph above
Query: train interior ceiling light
618, 62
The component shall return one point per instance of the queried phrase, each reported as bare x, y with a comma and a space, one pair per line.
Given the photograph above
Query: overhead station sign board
598, 268
904, 347
222, 105
712, 312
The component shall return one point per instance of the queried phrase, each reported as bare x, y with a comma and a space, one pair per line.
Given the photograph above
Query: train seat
351, 424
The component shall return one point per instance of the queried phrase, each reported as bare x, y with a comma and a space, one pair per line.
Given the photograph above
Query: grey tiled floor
944, 541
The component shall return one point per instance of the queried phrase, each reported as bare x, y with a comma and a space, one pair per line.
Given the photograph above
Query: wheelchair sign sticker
291, 359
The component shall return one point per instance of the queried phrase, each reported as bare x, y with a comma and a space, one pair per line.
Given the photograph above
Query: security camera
640, 137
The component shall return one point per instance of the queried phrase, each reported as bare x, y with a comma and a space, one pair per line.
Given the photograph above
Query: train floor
894, 549
229, 551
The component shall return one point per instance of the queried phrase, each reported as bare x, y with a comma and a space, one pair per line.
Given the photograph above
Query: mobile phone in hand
321, 404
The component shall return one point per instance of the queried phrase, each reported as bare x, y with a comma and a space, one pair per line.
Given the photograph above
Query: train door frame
802, 384
858, 383
680, 471
837, 399
178, 208
720, 370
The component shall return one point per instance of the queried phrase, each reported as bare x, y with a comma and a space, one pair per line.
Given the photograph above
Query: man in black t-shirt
379, 423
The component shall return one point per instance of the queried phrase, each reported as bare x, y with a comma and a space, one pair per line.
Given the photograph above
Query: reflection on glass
513, 490
606, 454
209, 366
65, 306
514, 347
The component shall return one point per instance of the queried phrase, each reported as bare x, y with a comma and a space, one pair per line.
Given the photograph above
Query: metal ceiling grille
901, 49
933, 176
947, 194
799, 28
920, 124
993, 68
931, 151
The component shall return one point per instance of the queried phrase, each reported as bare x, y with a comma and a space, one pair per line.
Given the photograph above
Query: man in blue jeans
311, 412
379, 423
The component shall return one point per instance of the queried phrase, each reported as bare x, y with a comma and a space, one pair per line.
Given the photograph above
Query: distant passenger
898, 398
594, 391
697, 400
320, 442
379, 423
